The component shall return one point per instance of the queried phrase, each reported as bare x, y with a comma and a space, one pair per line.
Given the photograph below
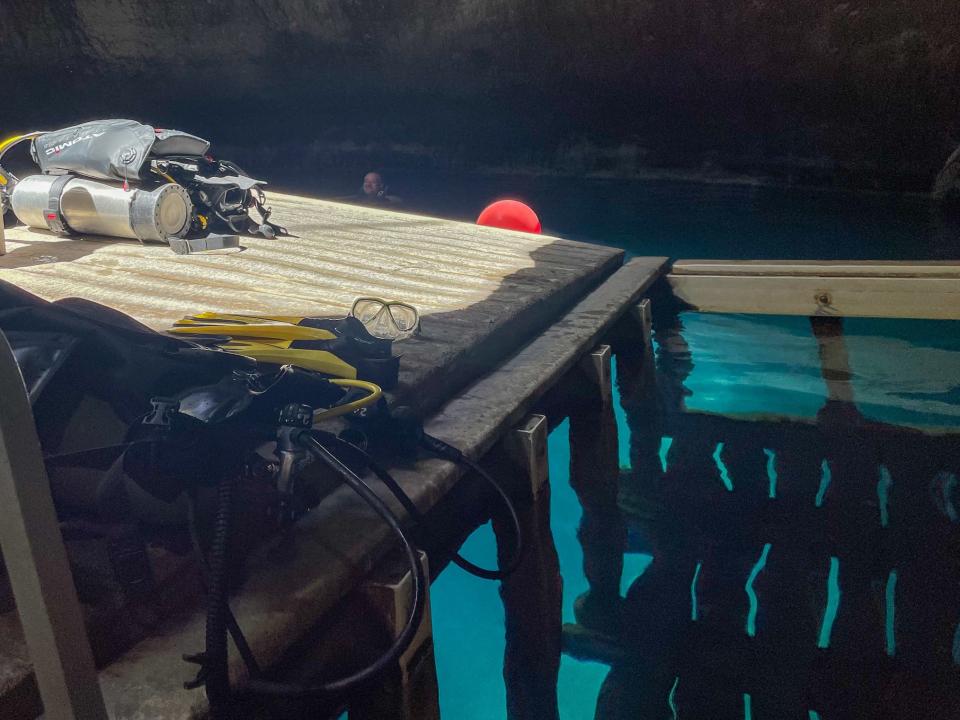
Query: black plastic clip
161, 412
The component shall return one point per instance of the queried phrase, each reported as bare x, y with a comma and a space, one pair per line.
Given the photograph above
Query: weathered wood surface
816, 288
481, 290
281, 601
820, 268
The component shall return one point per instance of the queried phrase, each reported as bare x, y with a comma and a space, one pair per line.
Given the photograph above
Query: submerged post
532, 595
632, 342
834, 359
37, 563
594, 476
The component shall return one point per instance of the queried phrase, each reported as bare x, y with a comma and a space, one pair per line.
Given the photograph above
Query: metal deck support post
642, 314
527, 447
639, 397
595, 476
37, 563
533, 594
412, 693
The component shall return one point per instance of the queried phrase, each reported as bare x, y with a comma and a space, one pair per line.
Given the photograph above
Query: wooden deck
484, 294
481, 291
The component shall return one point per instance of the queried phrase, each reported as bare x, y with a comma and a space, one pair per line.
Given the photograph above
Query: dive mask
387, 320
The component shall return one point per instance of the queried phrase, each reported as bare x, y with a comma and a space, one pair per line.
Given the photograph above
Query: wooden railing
818, 288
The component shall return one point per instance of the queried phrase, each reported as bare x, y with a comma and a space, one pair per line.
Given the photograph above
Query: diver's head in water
375, 191
373, 186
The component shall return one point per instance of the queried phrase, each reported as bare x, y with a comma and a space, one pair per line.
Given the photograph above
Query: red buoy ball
510, 215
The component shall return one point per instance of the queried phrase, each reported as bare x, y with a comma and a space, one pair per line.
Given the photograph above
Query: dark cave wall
864, 93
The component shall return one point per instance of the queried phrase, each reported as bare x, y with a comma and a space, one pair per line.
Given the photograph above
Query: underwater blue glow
672, 697
813, 715
724, 473
623, 435
751, 594
883, 495
825, 478
833, 604
890, 608
694, 608
772, 472
665, 442
747, 707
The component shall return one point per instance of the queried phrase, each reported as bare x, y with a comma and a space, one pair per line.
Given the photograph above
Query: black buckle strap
55, 220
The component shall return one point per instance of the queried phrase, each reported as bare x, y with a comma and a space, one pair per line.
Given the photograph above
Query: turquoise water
738, 578
468, 613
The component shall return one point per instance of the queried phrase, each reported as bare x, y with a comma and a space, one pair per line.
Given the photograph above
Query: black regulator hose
220, 620
216, 668
448, 452
215, 665
232, 626
267, 687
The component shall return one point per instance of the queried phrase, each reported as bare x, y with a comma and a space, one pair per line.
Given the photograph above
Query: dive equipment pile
182, 421
122, 178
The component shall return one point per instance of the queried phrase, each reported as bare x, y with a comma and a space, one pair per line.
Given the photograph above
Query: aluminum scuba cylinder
102, 208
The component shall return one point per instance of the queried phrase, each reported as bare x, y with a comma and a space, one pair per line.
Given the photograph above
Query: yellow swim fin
281, 353
224, 325
340, 347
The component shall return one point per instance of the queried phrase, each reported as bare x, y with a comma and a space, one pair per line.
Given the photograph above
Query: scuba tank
61, 202
122, 178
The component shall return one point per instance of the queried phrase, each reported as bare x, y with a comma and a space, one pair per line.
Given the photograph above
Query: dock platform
505, 316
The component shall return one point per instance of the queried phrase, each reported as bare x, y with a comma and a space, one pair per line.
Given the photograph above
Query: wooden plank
37, 564
934, 298
486, 409
342, 540
819, 268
